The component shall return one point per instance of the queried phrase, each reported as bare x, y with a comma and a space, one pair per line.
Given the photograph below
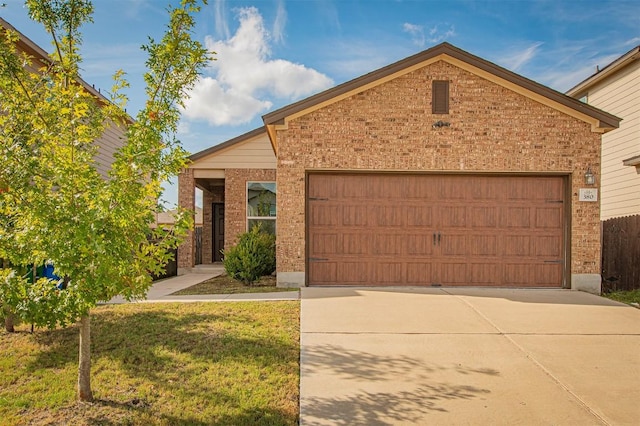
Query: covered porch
224, 175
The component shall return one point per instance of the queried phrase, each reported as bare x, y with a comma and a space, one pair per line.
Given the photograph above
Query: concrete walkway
467, 356
162, 291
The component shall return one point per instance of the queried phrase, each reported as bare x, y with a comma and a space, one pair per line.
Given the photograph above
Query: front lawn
224, 284
159, 364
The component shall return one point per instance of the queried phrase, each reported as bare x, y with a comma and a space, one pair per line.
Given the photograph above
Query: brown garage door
450, 230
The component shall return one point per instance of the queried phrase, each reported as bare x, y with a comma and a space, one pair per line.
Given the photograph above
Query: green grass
631, 296
159, 364
226, 285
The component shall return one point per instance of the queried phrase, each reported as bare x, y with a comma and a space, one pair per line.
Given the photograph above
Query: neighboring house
166, 219
616, 89
442, 169
112, 138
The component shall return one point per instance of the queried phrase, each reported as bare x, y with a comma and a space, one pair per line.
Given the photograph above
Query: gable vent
440, 97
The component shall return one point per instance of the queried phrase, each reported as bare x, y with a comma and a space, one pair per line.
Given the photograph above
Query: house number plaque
588, 194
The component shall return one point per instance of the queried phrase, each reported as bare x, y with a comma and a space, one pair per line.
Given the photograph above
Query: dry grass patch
227, 285
160, 364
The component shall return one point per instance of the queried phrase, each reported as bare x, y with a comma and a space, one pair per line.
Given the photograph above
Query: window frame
273, 217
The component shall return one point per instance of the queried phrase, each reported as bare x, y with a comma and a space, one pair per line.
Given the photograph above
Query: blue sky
273, 52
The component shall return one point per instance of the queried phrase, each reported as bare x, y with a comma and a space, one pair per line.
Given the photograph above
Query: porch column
187, 200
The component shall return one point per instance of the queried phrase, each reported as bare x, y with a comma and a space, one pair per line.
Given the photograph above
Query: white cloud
416, 32
634, 41
566, 77
243, 81
219, 106
280, 22
515, 60
220, 13
437, 35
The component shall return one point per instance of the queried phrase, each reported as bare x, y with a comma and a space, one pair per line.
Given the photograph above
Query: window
440, 97
261, 205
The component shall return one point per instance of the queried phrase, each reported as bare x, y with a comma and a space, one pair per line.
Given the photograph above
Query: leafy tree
54, 205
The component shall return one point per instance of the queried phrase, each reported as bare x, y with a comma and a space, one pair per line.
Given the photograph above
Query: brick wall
186, 199
389, 127
235, 208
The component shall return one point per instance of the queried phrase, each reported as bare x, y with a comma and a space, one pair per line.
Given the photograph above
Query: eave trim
603, 120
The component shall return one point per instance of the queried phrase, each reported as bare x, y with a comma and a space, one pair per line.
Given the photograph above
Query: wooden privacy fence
621, 253
170, 270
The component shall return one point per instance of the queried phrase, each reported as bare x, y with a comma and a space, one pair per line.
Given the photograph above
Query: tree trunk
84, 365
8, 322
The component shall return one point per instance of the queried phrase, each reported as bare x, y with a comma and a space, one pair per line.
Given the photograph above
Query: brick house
442, 169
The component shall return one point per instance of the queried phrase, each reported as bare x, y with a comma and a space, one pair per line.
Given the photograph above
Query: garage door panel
420, 245
419, 216
454, 244
325, 186
522, 189
548, 275
516, 245
548, 217
547, 246
355, 243
324, 243
389, 273
420, 189
483, 245
487, 189
359, 187
516, 217
389, 245
518, 274
419, 273
389, 215
322, 214
483, 217
484, 273
354, 272
355, 215
382, 229
389, 188
455, 188
452, 216
323, 272
454, 273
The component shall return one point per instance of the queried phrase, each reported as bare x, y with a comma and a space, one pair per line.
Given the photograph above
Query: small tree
54, 204
253, 257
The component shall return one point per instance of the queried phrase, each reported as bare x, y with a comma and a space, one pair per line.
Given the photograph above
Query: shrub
253, 256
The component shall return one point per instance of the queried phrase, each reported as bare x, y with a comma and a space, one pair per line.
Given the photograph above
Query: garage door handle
439, 235
317, 259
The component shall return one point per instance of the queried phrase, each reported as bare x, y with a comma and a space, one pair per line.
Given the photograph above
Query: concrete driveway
467, 356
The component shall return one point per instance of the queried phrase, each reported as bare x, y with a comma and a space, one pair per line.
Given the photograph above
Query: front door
218, 231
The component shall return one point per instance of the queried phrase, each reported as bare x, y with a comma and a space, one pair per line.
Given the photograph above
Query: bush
253, 256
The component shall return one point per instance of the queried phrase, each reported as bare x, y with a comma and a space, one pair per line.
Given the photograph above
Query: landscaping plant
253, 257
54, 204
